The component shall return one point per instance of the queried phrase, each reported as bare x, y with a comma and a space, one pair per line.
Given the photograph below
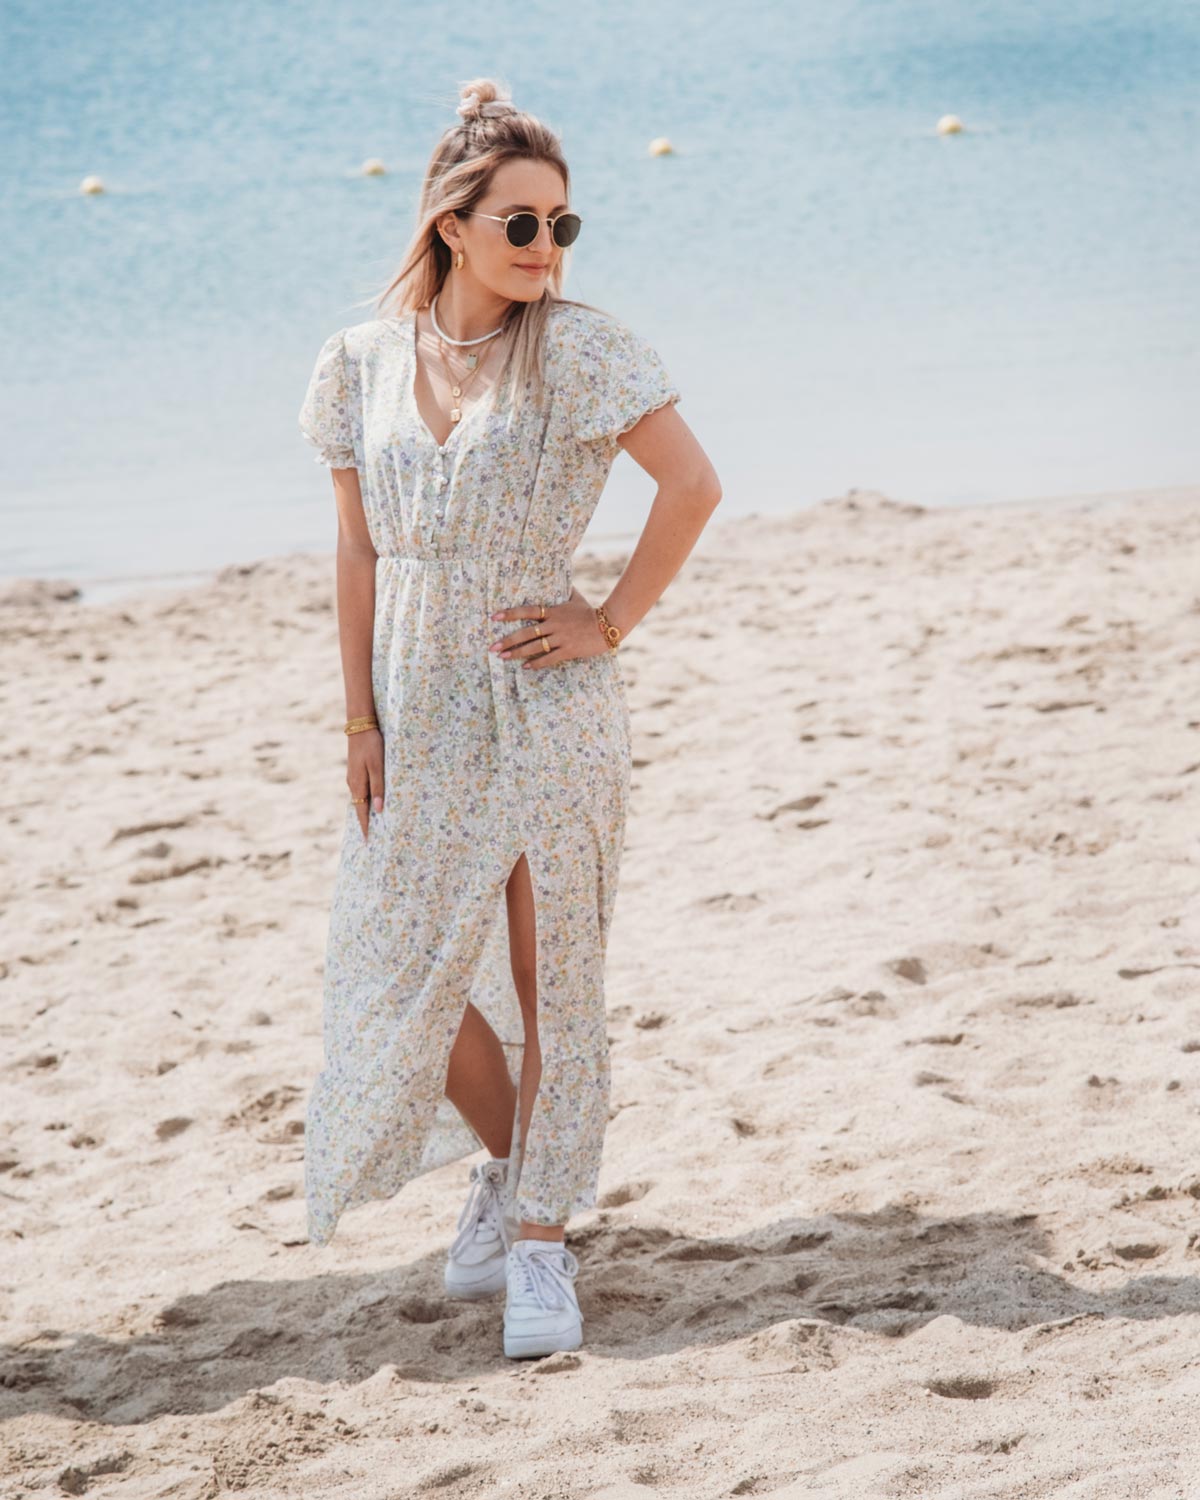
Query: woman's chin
527, 288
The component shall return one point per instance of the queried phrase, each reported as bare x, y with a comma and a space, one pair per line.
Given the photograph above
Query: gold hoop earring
458, 260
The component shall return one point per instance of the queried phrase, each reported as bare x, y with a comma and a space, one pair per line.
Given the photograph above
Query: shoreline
98, 592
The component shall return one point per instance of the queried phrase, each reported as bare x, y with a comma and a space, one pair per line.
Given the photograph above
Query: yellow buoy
373, 167
661, 146
949, 125
91, 185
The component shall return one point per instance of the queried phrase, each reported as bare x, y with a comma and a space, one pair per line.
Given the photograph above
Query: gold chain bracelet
356, 726
607, 629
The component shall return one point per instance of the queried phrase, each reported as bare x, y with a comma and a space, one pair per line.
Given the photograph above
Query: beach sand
901, 1193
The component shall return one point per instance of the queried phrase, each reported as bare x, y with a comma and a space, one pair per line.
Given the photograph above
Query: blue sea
844, 296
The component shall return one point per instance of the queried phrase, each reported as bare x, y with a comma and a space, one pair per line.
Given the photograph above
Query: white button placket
441, 485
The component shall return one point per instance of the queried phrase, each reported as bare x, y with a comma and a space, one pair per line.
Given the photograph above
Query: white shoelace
543, 1275
483, 1211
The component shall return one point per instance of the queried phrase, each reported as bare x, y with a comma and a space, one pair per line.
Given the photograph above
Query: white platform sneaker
476, 1263
541, 1314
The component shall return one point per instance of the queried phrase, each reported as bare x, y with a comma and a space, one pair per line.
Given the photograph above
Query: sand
901, 1193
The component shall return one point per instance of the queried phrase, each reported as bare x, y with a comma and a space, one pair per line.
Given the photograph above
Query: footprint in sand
627, 1192
798, 804
138, 830
1139, 1250
731, 901
265, 1107
963, 1387
908, 968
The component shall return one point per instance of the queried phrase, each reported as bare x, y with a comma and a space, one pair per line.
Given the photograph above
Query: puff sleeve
326, 417
619, 378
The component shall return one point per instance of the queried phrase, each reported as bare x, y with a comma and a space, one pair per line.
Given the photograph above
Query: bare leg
478, 1085
522, 945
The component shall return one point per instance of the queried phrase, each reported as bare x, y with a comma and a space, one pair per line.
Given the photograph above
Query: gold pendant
455, 414
472, 361
456, 390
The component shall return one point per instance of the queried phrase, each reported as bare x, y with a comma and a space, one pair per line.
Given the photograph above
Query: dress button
441, 447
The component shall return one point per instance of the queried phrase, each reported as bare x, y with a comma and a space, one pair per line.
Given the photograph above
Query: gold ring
542, 607
357, 801
545, 645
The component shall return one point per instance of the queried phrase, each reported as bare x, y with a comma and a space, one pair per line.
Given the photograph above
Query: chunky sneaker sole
541, 1315
536, 1345
477, 1259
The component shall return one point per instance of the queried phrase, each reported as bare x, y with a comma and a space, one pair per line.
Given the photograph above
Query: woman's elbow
705, 487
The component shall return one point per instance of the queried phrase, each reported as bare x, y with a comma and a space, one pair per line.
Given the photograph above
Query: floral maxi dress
483, 760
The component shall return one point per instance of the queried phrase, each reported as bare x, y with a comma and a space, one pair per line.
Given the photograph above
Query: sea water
845, 297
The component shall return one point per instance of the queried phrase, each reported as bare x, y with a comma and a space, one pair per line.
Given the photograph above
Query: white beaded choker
458, 343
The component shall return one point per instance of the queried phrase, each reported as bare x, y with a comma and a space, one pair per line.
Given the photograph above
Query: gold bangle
356, 726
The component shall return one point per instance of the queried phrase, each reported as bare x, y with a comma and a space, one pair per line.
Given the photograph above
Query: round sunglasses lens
566, 229
522, 229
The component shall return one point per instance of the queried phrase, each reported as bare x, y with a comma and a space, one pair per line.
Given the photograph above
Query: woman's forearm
677, 517
356, 625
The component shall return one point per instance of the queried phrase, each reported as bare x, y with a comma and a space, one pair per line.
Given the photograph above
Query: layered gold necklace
474, 362
459, 385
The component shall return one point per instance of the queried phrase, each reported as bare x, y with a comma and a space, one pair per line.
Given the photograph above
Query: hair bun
482, 98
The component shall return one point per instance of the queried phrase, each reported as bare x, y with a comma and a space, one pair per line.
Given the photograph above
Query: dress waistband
484, 559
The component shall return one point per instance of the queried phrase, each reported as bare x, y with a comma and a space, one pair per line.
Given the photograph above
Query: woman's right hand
364, 773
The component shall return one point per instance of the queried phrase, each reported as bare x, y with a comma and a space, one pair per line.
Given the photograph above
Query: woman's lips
532, 270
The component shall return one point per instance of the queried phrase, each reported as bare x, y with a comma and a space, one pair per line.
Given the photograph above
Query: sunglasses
522, 229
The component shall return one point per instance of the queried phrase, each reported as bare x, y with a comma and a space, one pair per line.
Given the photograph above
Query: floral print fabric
483, 761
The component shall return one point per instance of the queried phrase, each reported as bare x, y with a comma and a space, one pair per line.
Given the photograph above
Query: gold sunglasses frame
524, 213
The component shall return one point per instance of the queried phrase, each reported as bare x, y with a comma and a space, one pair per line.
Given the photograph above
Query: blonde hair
491, 130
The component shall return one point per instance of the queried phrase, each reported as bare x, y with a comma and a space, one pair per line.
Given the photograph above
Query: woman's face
534, 185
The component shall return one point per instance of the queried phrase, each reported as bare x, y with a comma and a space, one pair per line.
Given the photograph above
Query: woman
470, 433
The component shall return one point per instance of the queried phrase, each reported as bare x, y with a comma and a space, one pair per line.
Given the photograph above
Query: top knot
474, 105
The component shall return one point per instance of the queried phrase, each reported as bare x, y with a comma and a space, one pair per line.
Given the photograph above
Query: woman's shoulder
581, 338
576, 322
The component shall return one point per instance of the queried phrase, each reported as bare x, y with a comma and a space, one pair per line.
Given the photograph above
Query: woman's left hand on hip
570, 629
